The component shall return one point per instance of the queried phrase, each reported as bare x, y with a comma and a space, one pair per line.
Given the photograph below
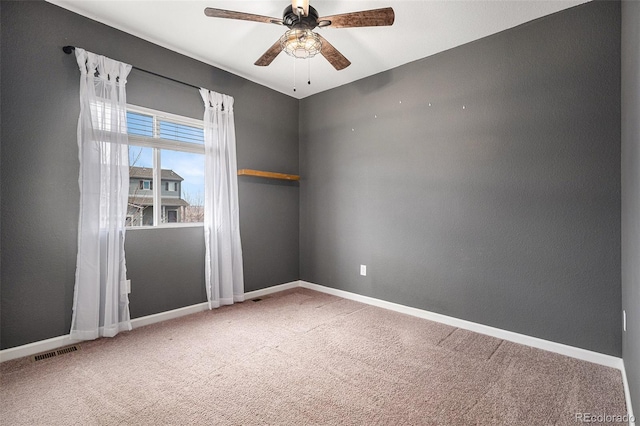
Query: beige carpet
300, 357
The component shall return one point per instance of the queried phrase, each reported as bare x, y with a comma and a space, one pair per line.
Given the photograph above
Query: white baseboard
269, 290
61, 341
37, 347
164, 316
583, 354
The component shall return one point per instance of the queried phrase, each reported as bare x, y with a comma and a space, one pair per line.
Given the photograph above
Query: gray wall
481, 183
163, 284
631, 195
39, 175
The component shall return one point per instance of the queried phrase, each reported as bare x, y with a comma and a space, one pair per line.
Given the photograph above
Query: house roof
166, 201
147, 173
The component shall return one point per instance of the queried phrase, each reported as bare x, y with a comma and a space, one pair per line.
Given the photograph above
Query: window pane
140, 157
140, 204
183, 193
181, 132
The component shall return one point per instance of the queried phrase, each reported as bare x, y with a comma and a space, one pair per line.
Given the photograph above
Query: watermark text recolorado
603, 418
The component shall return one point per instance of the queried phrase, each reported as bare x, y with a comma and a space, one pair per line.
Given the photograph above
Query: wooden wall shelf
268, 175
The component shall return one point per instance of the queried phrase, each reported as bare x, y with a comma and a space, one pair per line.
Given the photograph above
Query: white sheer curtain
223, 258
101, 301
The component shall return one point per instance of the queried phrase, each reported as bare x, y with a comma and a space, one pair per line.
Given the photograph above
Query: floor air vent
51, 354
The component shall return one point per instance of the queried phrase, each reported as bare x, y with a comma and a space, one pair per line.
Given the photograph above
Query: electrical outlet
363, 270
624, 320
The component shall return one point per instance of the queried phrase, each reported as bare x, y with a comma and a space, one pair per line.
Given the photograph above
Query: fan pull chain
309, 73
294, 74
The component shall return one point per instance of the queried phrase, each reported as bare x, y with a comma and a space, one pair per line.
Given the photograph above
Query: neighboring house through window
140, 210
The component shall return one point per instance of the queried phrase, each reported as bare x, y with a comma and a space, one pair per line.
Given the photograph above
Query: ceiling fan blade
270, 54
229, 14
332, 55
365, 18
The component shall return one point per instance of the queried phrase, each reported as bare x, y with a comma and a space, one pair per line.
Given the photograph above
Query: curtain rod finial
68, 49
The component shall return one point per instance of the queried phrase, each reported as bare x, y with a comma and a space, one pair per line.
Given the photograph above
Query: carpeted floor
300, 358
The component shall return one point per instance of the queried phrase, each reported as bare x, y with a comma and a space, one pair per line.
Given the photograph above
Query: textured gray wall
40, 172
631, 195
165, 268
481, 183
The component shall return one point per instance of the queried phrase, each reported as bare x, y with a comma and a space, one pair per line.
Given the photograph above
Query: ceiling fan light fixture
301, 44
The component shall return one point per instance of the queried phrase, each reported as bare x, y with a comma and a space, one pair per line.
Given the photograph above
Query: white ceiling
422, 28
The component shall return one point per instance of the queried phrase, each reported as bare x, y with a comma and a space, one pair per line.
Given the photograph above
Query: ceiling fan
301, 19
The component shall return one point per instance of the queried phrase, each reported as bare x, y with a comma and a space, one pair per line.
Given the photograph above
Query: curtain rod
69, 49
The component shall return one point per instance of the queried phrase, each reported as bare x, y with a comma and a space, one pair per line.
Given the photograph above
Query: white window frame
157, 144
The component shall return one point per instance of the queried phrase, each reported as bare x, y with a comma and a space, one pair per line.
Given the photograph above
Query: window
166, 168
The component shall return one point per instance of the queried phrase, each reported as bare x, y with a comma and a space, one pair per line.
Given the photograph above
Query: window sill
167, 226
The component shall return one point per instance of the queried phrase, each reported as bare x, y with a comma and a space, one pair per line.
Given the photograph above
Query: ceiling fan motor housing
292, 20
